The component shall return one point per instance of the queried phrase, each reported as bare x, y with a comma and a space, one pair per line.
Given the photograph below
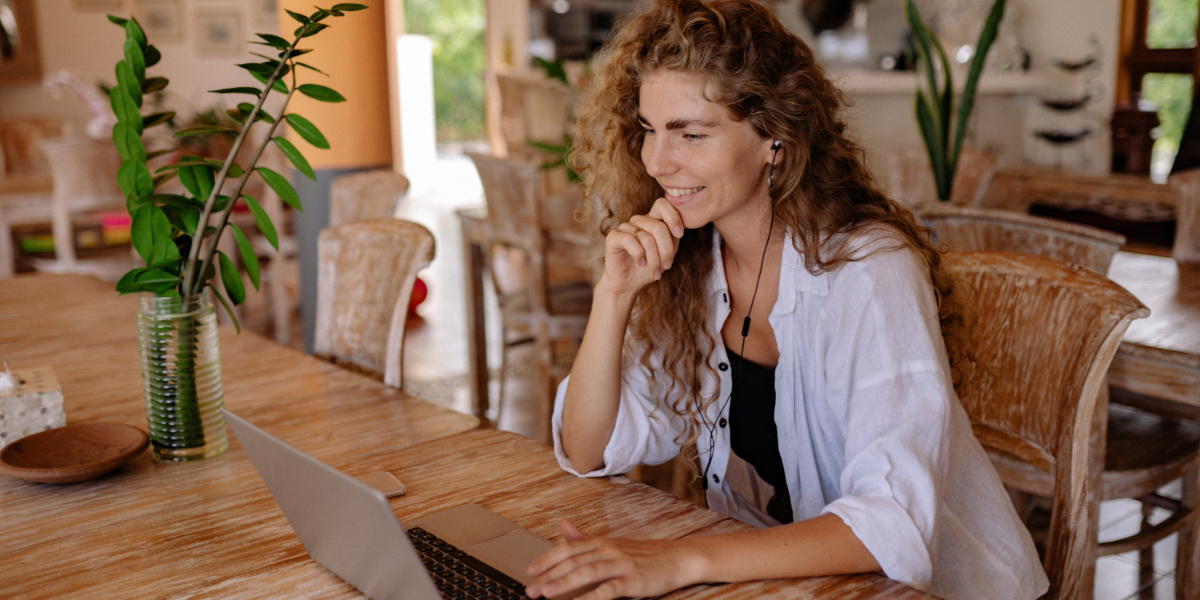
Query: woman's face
712, 167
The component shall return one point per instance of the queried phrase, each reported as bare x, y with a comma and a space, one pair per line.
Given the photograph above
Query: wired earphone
712, 427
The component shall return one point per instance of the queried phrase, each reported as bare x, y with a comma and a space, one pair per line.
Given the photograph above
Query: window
1158, 59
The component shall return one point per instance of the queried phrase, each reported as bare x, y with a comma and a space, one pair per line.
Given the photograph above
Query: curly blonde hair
769, 78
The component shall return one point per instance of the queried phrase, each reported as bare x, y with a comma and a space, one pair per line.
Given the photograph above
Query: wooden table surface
210, 529
1160, 355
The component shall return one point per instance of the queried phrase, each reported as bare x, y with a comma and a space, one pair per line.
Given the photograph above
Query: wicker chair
912, 181
365, 279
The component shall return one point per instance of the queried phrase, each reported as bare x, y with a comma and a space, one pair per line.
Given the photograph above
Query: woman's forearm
594, 390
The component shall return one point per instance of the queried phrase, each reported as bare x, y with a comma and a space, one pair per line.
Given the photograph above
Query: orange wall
353, 52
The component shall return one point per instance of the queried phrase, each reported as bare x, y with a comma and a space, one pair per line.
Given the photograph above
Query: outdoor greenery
165, 226
1172, 25
459, 59
935, 99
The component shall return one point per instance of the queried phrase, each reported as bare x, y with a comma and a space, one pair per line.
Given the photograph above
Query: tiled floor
435, 365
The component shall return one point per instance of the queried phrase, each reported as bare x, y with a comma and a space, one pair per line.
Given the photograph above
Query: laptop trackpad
511, 553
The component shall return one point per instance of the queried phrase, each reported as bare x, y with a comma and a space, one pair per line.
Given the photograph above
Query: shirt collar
794, 278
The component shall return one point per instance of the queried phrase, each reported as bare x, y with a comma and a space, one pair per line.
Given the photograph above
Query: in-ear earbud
777, 145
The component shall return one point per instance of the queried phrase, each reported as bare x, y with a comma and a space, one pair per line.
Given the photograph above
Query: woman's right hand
641, 249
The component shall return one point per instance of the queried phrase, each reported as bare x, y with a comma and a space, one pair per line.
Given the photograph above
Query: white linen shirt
869, 426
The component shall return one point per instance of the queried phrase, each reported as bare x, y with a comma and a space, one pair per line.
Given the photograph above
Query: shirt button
723, 367
722, 423
716, 479
724, 298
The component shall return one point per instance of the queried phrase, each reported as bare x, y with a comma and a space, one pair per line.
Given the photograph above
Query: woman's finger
665, 242
666, 212
570, 532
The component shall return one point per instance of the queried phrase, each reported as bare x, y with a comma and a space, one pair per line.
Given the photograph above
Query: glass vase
181, 377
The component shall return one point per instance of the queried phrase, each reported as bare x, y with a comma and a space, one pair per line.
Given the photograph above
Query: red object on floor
419, 293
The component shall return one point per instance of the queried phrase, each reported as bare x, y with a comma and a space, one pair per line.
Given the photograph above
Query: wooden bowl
73, 453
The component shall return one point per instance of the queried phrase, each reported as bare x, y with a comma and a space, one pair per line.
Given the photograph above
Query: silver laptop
349, 528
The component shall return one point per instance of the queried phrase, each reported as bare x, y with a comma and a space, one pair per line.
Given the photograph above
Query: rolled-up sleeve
646, 431
887, 381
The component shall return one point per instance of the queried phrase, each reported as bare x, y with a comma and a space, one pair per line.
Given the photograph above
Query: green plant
166, 227
935, 103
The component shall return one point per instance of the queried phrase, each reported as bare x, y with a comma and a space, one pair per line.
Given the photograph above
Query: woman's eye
693, 137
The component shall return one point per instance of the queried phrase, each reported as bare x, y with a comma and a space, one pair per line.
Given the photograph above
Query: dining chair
912, 182
1046, 332
365, 195
532, 108
84, 172
533, 307
365, 277
1185, 195
971, 228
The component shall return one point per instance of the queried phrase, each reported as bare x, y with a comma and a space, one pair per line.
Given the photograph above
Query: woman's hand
638, 251
614, 567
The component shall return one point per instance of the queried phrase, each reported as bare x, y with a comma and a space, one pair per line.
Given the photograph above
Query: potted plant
177, 234
935, 100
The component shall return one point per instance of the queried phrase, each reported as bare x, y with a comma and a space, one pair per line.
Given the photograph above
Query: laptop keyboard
459, 575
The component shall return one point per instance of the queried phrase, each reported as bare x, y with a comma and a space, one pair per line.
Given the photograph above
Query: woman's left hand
615, 567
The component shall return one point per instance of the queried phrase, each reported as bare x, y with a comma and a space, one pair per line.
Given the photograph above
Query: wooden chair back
1046, 333
913, 184
514, 213
532, 108
1185, 194
971, 228
365, 276
365, 196
19, 139
85, 178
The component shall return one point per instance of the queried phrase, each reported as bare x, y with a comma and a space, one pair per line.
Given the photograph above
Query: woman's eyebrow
680, 123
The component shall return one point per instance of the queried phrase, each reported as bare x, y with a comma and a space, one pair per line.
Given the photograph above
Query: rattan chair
365, 279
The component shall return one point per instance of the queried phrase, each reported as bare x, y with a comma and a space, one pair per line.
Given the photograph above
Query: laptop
349, 528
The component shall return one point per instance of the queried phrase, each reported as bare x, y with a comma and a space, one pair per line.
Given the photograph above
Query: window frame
1137, 59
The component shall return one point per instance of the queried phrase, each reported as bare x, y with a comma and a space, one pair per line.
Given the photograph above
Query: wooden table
210, 529
1160, 355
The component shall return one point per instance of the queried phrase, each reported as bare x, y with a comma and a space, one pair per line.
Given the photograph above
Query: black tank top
752, 432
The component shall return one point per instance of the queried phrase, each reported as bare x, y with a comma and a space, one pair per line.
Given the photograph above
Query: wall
84, 42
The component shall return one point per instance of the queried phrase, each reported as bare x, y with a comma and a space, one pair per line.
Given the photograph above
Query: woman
764, 307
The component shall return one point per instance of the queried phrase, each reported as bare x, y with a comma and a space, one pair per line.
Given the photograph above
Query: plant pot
181, 377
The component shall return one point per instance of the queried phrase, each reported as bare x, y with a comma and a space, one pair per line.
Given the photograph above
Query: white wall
87, 44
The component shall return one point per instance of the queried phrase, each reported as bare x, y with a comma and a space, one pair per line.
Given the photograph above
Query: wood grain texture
1049, 332
365, 196
366, 272
1118, 195
211, 529
972, 228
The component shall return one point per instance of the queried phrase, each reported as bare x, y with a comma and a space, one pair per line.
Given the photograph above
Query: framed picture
109, 6
161, 19
265, 15
218, 32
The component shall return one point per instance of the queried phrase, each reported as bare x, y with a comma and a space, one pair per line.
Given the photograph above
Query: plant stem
212, 247
189, 270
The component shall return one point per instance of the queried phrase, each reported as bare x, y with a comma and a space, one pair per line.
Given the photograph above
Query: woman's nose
657, 158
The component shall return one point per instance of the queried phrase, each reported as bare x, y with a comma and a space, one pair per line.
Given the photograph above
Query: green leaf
129, 144
126, 80
156, 280
280, 184
134, 55
933, 143
158, 153
553, 69
295, 52
134, 179
165, 250
134, 31
298, 17
274, 40
183, 218
320, 15
312, 68
238, 90
152, 56
154, 84
986, 38
166, 200
197, 179
246, 108
158, 180
228, 309
125, 110
232, 279
296, 157
278, 86
348, 7
263, 221
310, 29
118, 20
157, 119
320, 92
141, 232
125, 285
260, 68
307, 130
220, 204
204, 130
249, 258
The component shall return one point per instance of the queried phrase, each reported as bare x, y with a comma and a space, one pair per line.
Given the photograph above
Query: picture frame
162, 20
218, 32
